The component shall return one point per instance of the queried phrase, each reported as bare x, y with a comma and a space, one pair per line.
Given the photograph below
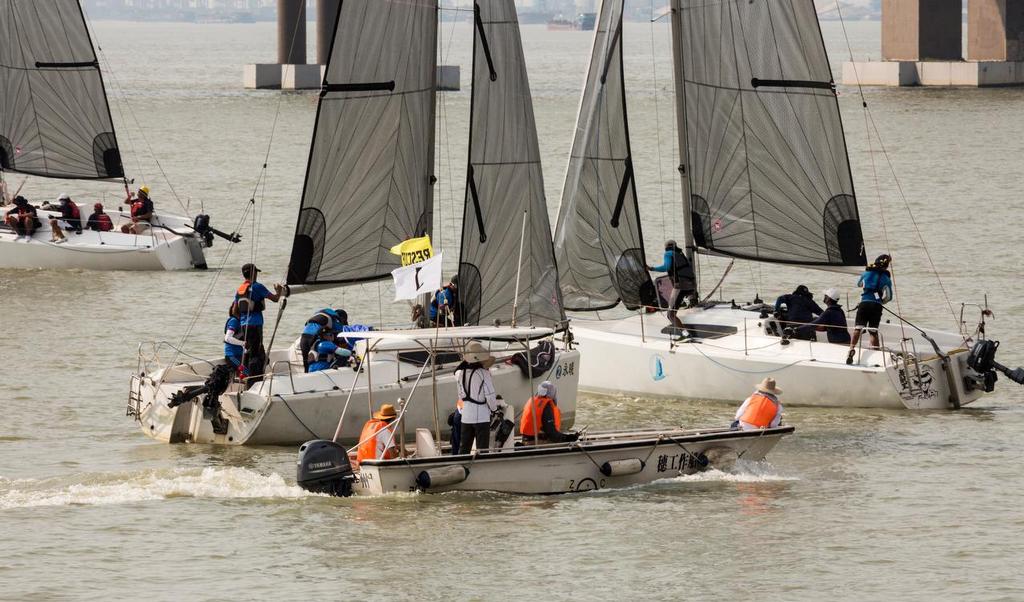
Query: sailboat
369, 186
765, 177
55, 123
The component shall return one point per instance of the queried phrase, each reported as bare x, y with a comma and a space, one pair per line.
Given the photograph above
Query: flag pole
519, 268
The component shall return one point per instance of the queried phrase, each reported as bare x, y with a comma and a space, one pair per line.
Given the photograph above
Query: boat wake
214, 483
755, 473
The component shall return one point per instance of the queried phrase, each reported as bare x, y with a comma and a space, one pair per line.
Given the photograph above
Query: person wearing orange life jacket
762, 409
142, 212
251, 298
542, 420
377, 441
99, 221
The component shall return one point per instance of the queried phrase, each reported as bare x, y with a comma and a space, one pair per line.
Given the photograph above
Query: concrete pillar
326, 15
921, 30
291, 32
995, 30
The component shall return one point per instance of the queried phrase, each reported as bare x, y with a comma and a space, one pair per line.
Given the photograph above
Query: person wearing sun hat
762, 409
477, 397
377, 441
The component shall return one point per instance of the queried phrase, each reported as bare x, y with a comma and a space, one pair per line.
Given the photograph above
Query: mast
688, 245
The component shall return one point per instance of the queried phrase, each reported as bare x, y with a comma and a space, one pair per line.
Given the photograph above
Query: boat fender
722, 458
441, 477
324, 467
620, 468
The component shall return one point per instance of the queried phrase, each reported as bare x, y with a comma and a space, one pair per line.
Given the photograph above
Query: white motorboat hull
157, 249
632, 356
291, 407
574, 467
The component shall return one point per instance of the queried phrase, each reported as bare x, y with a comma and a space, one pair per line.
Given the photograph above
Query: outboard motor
201, 224
211, 390
324, 467
982, 359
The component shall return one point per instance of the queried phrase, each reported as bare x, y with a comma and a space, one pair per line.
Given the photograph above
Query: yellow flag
414, 250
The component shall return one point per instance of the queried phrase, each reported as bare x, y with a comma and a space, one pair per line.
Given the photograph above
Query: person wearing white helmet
832, 320
70, 218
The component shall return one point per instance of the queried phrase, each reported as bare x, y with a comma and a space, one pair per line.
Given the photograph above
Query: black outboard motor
324, 467
211, 390
982, 360
201, 224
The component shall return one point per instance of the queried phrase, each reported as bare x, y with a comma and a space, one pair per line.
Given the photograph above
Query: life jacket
75, 213
368, 441
250, 307
104, 222
136, 208
682, 271
533, 414
760, 411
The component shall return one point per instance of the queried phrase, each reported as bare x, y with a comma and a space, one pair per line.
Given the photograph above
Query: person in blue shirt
234, 347
329, 355
324, 324
445, 302
800, 310
684, 282
832, 321
250, 301
877, 284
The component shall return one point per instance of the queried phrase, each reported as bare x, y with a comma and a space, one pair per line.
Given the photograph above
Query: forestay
54, 117
504, 183
768, 168
598, 238
369, 179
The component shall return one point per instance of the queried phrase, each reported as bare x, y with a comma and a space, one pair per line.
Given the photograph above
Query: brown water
857, 505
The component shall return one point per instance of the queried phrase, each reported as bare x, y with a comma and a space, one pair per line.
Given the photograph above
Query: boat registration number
565, 369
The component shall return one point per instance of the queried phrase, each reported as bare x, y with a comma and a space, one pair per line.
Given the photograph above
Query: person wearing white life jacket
479, 399
762, 409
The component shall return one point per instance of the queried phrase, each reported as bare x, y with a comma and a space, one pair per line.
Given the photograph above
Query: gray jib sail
504, 184
769, 173
598, 239
54, 117
369, 179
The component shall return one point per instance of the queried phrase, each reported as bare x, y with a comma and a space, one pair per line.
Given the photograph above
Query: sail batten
369, 181
769, 174
54, 116
505, 186
598, 238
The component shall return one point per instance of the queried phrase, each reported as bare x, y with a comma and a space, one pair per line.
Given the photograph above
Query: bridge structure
291, 71
923, 45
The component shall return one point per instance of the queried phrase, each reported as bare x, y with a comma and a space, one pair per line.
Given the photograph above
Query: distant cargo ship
582, 22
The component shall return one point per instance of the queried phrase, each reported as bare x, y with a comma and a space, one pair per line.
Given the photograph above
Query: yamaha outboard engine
982, 359
324, 467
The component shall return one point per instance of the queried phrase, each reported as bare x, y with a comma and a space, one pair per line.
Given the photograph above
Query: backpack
540, 359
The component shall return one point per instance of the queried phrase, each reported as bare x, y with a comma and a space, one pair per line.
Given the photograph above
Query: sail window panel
600, 263
769, 172
368, 185
505, 168
54, 116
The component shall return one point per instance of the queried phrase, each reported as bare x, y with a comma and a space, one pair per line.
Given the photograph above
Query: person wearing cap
832, 321
876, 283
377, 439
23, 218
800, 309
70, 218
445, 305
99, 221
142, 212
324, 325
250, 300
542, 420
762, 409
680, 272
477, 396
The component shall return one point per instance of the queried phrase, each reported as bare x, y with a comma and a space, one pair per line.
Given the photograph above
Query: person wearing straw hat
762, 409
377, 441
477, 396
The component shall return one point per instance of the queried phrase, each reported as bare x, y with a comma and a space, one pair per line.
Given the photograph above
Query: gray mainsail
54, 117
598, 238
504, 184
369, 182
768, 170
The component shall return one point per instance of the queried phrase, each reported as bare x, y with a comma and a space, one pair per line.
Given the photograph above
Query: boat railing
134, 409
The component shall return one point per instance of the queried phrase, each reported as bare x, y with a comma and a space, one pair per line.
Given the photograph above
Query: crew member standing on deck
251, 298
877, 284
680, 272
479, 399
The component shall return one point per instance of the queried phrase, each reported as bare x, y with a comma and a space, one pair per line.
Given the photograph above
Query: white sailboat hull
292, 407
631, 356
574, 467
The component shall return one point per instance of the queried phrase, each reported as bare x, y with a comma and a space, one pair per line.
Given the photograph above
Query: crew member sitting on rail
234, 347
680, 272
479, 399
70, 218
377, 440
877, 283
800, 309
762, 409
23, 218
323, 325
99, 221
328, 355
542, 420
142, 212
832, 321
